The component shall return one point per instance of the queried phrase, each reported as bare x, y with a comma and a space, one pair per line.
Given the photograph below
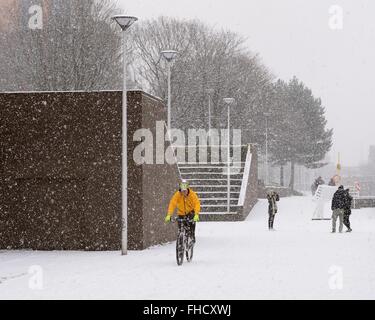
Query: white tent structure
323, 198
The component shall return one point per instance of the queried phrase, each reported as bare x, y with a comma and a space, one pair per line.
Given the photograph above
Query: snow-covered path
237, 260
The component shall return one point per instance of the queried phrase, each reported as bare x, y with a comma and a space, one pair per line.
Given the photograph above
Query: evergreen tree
299, 133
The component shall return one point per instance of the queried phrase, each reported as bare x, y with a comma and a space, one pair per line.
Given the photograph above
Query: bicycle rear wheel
180, 249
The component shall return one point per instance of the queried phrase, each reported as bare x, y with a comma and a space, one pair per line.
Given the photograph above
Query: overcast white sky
293, 37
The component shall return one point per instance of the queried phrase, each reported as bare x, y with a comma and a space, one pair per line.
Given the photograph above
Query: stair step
218, 195
211, 173
223, 189
216, 208
214, 199
209, 167
216, 192
223, 202
220, 173
232, 186
218, 199
214, 183
211, 179
209, 163
217, 212
217, 205
216, 177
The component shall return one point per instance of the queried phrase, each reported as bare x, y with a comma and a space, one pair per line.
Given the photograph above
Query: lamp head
229, 100
169, 55
124, 21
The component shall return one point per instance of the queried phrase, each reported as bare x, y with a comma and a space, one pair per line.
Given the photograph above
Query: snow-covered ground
233, 260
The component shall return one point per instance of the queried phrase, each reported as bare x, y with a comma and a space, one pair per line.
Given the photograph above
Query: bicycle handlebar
175, 219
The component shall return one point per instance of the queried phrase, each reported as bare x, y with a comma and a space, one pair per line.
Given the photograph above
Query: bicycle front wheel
189, 249
180, 249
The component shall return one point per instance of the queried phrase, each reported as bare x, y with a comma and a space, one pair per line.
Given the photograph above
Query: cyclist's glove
167, 218
196, 218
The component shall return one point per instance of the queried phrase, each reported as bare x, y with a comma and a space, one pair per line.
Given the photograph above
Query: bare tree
208, 59
78, 48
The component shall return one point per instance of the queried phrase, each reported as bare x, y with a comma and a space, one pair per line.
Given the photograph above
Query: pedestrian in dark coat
272, 198
348, 210
339, 201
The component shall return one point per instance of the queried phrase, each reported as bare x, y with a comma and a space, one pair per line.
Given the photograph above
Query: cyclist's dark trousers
346, 219
271, 218
190, 224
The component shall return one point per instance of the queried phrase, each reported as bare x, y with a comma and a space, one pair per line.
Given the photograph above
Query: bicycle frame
183, 237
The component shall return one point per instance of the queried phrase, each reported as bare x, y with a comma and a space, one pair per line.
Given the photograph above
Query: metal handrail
245, 177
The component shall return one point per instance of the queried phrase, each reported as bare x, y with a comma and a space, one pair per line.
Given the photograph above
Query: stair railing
245, 177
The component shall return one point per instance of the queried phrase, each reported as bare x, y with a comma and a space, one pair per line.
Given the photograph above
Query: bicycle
184, 242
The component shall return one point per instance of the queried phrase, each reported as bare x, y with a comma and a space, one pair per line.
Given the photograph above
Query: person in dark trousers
338, 205
272, 198
348, 210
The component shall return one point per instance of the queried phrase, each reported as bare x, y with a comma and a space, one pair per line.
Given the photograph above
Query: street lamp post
267, 115
210, 93
169, 56
124, 22
229, 102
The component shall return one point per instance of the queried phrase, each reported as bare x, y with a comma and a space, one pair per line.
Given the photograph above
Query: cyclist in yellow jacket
188, 205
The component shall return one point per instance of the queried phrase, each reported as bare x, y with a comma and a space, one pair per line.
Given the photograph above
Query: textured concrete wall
60, 173
153, 184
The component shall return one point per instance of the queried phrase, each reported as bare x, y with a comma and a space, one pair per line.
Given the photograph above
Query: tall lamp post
267, 114
229, 102
169, 56
210, 92
124, 22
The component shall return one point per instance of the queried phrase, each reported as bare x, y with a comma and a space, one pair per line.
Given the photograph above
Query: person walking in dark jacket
348, 210
272, 198
338, 205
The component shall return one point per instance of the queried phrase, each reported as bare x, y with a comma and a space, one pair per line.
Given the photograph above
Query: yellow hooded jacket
184, 205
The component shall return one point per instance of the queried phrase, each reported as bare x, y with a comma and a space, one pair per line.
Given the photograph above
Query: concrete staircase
210, 182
